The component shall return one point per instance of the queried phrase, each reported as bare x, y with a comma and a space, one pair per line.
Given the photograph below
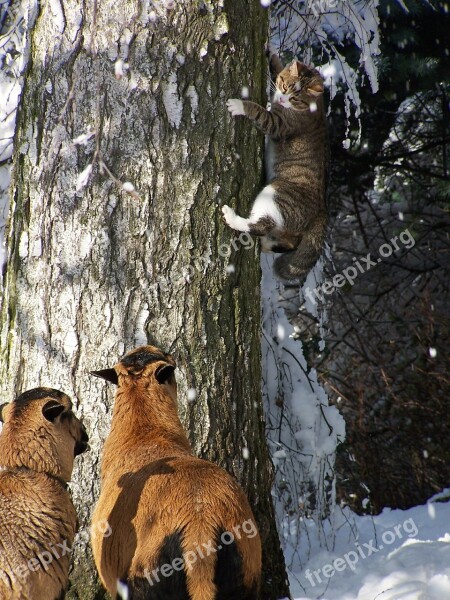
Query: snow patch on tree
14, 50
172, 101
193, 98
58, 14
303, 429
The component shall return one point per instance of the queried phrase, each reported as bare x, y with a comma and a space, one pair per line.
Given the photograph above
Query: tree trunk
94, 270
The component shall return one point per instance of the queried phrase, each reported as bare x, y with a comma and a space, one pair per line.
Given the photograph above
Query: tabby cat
290, 213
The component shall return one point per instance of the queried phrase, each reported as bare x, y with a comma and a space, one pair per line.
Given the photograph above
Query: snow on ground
397, 555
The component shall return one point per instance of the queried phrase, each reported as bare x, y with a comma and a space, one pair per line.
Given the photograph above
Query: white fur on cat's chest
266, 206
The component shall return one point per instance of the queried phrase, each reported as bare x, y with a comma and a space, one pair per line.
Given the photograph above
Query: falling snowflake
191, 394
83, 178
128, 186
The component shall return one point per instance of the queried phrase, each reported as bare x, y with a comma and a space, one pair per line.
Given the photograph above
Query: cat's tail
296, 265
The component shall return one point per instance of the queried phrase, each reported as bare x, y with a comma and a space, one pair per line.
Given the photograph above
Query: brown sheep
182, 528
38, 443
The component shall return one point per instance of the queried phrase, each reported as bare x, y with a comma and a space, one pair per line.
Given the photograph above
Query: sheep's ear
108, 374
164, 372
2, 406
52, 409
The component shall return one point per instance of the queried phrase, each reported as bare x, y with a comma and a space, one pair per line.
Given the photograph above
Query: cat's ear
315, 88
296, 68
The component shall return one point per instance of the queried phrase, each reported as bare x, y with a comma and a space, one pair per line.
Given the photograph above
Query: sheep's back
183, 494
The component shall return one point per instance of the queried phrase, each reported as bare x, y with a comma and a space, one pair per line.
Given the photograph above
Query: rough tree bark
93, 272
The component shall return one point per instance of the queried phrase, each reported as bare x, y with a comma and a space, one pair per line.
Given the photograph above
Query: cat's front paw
236, 107
228, 214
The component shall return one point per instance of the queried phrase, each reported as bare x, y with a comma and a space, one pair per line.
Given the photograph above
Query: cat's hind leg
295, 265
264, 216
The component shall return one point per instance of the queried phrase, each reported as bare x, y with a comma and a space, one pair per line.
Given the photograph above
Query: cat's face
297, 86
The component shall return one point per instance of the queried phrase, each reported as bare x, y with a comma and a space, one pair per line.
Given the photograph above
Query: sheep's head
41, 432
146, 364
